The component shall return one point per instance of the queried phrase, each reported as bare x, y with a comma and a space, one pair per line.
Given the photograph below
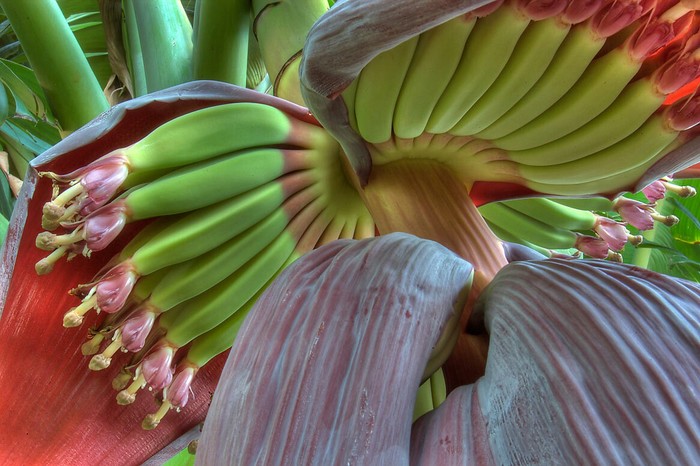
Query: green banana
621, 181
599, 204
569, 63
196, 136
486, 53
627, 113
645, 144
202, 350
378, 88
597, 88
205, 229
188, 279
435, 60
530, 59
180, 282
554, 214
528, 228
220, 41
199, 185
509, 237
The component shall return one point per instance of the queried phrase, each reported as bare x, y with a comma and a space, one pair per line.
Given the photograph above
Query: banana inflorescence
564, 97
227, 197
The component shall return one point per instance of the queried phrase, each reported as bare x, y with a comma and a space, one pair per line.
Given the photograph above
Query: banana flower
432, 113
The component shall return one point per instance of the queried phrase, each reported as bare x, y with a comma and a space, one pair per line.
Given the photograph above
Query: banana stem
165, 35
221, 40
425, 198
135, 55
73, 92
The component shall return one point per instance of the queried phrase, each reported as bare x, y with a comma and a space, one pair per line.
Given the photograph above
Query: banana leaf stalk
55, 56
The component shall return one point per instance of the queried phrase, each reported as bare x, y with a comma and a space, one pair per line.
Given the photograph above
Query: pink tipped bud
580, 10
538, 10
655, 191
637, 214
114, 287
486, 9
102, 182
616, 16
136, 328
104, 225
683, 114
613, 233
178, 393
156, 367
650, 38
591, 246
673, 76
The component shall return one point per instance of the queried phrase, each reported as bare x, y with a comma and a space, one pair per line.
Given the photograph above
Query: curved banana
628, 112
569, 63
434, 62
597, 88
635, 150
486, 53
530, 59
554, 214
378, 88
527, 228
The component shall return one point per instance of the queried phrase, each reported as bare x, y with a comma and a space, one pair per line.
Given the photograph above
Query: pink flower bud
616, 16
101, 182
613, 233
178, 393
104, 225
592, 246
636, 213
115, 286
655, 191
580, 10
136, 328
156, 367
684, 114
538, 10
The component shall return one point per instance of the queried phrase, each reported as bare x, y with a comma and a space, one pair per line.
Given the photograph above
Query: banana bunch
596, 226
550, 224
564, 98
223, 198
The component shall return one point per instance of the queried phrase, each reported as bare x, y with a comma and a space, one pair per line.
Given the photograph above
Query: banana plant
169, 216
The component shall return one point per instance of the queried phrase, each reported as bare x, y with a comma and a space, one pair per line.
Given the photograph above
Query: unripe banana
188, 279
378, 88
569, 63
207, 310
554, 214
486, 53
529, 61
512, 238
196, 136
612, 185
629, 111
635, 150
598, 204
597, 88
205, 229
205, 183
434, 62
528, 228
